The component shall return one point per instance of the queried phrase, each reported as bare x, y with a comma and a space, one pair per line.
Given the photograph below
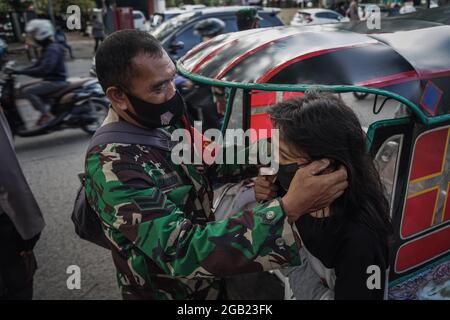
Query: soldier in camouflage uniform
165, 242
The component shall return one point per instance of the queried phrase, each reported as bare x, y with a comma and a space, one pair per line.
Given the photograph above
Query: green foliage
60, 6
4, 7
17, 5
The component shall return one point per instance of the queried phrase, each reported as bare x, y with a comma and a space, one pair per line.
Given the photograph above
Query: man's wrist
288, 210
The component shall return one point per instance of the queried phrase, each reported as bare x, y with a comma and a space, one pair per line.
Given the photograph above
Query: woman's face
290, 154
290, 160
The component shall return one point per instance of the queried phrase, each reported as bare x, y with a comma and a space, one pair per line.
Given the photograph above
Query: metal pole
16, 25
50, 11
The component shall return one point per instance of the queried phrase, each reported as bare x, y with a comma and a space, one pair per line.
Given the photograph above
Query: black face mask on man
152, 115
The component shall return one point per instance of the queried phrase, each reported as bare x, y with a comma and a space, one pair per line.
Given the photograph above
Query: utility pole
16, 26
50, 12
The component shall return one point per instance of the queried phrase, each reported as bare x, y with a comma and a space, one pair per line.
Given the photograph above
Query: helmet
209, 27
40, 29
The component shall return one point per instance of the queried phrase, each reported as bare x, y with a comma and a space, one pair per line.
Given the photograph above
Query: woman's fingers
263, 196
265, 189
263, 183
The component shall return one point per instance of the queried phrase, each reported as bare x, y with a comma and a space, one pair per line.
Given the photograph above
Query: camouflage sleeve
135, 209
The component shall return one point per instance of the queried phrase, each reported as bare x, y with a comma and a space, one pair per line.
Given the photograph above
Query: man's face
153, 79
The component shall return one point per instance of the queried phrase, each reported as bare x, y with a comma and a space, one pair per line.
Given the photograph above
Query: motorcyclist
49, 66
202, 97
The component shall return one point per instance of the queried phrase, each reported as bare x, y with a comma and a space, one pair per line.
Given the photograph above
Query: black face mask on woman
152, 115
286, 173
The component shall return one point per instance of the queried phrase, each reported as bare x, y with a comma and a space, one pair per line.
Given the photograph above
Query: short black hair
113, 58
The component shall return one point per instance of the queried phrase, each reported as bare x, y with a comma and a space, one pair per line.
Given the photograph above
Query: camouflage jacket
165, 242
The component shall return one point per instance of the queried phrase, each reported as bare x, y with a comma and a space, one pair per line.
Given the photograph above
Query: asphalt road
51, 164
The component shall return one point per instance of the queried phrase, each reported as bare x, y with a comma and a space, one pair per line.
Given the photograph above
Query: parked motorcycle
81, 104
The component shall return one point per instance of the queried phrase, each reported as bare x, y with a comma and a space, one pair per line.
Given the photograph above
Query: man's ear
117, 97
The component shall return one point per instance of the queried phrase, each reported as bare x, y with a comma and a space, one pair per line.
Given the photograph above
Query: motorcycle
80, 104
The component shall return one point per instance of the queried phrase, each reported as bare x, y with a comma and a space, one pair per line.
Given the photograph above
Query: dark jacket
16, 199
50, 65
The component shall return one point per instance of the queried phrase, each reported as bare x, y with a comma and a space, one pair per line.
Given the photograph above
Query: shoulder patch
156, 201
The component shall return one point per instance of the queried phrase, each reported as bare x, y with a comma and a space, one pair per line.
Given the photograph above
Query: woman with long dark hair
347, 243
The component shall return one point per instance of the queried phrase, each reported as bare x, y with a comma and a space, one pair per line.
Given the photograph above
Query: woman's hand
265, 189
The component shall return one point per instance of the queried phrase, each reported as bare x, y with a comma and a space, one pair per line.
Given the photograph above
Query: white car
189, 7
140, 23
316, 16
408, 7
158, 17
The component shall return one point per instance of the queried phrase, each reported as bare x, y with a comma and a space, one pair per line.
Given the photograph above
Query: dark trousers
98, 40
68, 47
36, 92
16, 268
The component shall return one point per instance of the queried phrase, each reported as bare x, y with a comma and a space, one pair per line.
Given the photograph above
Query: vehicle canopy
327, 56
405, 71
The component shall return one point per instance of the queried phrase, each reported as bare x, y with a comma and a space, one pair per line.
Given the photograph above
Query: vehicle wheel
360, 95
99, 110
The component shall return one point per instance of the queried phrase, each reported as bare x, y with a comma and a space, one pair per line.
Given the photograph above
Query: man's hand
309, 191
265, 189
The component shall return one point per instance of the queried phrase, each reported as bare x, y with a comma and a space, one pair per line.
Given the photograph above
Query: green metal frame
383, 123
424, 119
230, 100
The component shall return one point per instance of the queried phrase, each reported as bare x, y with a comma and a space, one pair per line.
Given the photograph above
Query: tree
14, 5
4, 7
